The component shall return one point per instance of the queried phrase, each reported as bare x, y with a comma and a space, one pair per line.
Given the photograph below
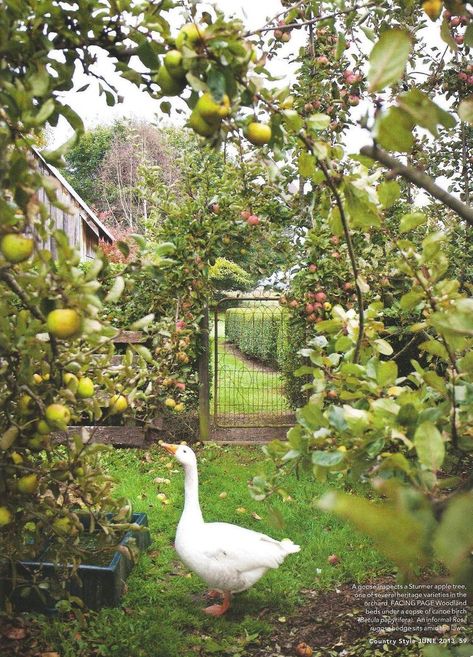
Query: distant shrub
227, 275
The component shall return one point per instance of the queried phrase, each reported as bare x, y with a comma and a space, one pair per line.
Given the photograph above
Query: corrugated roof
74, 194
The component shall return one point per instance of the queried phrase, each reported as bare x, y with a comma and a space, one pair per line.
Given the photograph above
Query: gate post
204, 379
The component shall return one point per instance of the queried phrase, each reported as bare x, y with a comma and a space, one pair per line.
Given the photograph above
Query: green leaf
327, 459
336, 417
364, 214
387, 373
432, 244
72, 118
45, 111
147, 55
429, 446
341, 45
165, 107
318, 121
335, 221
310, 417
357, 419
116, 290
411, 221
388, 59
393, 130
388, 193
435, 381
383, 347
453, 540
123, 247
435, 348
142, 323
39, 82
293, 119
446, 35
306, 165
424, 112
468, 36
397, 533
465, 109
411, 299
144, 352
217, 84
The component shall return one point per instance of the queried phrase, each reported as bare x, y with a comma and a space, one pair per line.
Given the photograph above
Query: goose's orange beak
170, 448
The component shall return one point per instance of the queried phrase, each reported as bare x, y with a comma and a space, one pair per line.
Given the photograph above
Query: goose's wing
246, 549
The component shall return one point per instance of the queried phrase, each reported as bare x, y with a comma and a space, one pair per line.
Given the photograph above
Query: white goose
228, 558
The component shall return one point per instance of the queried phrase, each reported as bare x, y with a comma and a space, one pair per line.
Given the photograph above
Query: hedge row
270, 335
255, 331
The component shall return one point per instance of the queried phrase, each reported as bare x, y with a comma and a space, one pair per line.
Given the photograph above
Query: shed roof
91, 214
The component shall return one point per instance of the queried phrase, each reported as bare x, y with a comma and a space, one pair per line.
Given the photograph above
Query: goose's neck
191, 495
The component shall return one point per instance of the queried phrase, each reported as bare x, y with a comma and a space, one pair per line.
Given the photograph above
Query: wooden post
204, 379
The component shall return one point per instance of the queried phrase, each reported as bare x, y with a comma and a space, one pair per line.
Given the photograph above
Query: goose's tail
289, 546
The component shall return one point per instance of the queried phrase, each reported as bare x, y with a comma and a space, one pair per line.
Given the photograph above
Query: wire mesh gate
248, 388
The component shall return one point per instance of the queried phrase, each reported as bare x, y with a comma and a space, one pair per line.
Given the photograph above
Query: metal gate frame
215, 422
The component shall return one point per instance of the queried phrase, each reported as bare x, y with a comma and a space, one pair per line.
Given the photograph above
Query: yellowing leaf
465, 109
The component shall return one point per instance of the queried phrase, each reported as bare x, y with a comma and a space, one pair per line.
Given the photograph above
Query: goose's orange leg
219, 610
214, 593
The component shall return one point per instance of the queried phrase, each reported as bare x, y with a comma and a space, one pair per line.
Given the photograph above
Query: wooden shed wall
69, 221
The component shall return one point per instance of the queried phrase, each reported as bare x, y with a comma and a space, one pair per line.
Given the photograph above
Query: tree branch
312, 21
11, 282
420, 179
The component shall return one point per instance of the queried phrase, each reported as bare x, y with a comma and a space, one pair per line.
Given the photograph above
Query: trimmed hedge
255, 331
272, 336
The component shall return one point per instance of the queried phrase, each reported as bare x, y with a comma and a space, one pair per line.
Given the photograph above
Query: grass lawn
161, 614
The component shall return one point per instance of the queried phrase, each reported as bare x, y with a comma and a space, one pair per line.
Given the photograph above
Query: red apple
312, 268
321, 297
335, 239
294, 303
309, 308
335, 254
180, 385
180, 325
333, 559
245, 214
253, 220
312, 318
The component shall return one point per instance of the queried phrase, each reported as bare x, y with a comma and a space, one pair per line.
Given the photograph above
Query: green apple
173, 63
170, 86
